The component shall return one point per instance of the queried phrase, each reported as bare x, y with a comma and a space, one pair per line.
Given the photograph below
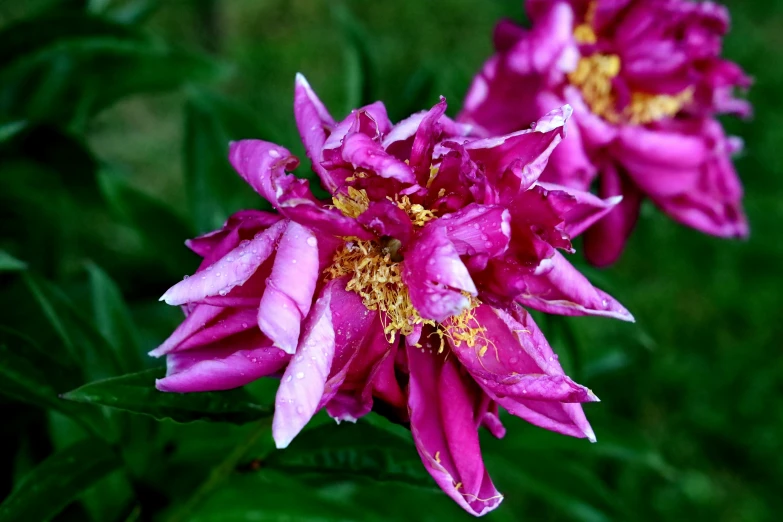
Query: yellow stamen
418, 214
353, 203
593, 76
375, 274
378, 281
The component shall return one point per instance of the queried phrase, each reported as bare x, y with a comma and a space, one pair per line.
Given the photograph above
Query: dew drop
274, 153
311, 241
244, 325
185, 277
299, 375
288, 379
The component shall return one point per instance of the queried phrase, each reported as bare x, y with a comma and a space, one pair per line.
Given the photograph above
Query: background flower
646, 80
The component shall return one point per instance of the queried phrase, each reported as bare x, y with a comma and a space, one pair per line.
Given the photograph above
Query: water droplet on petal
185, 277
299, 375
244, 325
288, 379
311, 241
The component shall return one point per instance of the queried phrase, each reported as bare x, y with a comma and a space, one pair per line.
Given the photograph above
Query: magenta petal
426, 137
289, 290
302, 384
385, 218
435, 275
196, 320
365, 154
563, 290
530, 147
584, 209
478, 229
661, 163
443, 406
234, 269
312, 118
203, 327
229, 365
517, 368
511, 362
605, 240
263, 164
351, 321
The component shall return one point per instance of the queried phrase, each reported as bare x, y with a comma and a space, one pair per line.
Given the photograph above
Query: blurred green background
114, 122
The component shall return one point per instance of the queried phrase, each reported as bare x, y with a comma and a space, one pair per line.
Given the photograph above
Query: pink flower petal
303, 382
289, 290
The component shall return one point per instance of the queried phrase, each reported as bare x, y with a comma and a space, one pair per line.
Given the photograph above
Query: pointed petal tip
301, 80
614, 200
590, 434
281, 442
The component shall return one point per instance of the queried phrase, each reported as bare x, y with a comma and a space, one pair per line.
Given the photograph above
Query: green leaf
162, 230
270, 496
359, 449
33, 376
9, 263
84, 343
215, 191
84, 63
58, 481
11, 129
113, 318
359, 66
136, 393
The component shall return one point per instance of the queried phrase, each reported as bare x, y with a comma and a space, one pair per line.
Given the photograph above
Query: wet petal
263, 165
289, 289
302, 384
443, 405
227, 365
478, 229
234, 269
435, 275
563, 290
531, 147
312, 118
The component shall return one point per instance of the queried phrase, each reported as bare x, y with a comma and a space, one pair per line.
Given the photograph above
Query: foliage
114, 123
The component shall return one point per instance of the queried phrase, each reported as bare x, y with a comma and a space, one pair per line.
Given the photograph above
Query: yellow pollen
353, 203
418, 214
433, 174
594, 74
378, 281
375, 274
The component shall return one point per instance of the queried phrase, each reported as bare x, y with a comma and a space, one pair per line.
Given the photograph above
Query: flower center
594, 74
375, 274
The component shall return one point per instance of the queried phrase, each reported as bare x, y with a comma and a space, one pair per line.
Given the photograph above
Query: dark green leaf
163, 231
84, 343
58, 481
270, 496
70, 74
353, 449
34, 35
31, 375
215, 191
9, 263
359, 65
113, 319
136, 393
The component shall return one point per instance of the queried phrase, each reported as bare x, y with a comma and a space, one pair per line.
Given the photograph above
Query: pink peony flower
402, 293
645, 79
